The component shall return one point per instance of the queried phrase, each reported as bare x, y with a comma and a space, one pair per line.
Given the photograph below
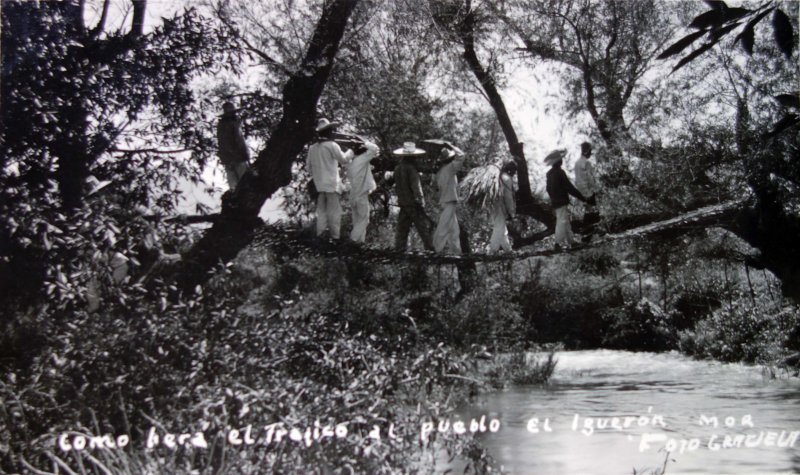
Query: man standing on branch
324, 157
447, 230
586, 183
503, 208
232, 151
362, 183
559, 188
410, 198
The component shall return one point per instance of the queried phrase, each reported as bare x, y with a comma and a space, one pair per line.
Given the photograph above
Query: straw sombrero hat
324, 124
555, 156
409, 149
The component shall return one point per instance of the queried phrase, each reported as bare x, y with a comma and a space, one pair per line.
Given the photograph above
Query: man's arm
336, 151
416, 186
570, 187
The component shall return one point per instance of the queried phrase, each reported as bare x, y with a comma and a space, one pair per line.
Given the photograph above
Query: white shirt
585, 181
323, 165
359, 172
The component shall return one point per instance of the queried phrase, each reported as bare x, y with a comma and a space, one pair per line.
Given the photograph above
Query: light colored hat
555, 156
409, 149
95, 185
325, 124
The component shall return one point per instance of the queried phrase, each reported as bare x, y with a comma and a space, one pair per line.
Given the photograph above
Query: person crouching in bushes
447, 230
503, 208
559, 188
362, 183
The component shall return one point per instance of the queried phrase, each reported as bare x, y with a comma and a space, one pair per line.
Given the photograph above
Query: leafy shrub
743, 332
521, 367
639, 326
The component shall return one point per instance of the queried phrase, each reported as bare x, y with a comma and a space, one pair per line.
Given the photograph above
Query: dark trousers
413, 215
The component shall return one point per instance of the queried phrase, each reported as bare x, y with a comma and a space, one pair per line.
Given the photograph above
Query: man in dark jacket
232, 150
559, 188
410, 198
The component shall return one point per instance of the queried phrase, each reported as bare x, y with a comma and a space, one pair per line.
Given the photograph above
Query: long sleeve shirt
359, 172
407, 185
323, 165
585, 180
559, 188
448, 182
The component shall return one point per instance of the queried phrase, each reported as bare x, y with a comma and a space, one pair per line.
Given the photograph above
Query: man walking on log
322, 163
503, 208
559, 188
410, 198
362, 183
447, 230
586, 183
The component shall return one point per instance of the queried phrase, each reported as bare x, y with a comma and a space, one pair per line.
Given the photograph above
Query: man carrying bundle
324, 157
410, 198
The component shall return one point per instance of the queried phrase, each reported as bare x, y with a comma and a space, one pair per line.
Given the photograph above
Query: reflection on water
608, 394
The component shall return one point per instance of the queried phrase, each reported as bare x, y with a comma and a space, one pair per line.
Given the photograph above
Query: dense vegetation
117, 318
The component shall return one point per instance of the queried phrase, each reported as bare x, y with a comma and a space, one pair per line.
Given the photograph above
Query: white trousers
329, 214
499, 238
563, 228
360, 218
447, 229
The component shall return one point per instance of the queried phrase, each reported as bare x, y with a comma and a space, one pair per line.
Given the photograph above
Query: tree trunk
239, 217
775, 234
526, 204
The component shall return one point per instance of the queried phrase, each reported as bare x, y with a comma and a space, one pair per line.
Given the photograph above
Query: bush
742, 332
238, 353
639, 326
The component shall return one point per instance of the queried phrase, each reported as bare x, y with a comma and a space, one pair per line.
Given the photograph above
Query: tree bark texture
234, 228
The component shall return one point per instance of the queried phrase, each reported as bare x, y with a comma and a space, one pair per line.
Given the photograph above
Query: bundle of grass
481, 186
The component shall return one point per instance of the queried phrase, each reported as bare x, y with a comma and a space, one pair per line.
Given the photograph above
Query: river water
593, 387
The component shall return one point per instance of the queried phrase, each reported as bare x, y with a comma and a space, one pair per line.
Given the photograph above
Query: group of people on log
325, 157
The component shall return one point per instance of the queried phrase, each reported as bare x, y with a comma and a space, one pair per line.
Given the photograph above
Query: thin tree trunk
526, 204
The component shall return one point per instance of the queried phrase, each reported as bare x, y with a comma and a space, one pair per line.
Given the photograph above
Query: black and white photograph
526, 237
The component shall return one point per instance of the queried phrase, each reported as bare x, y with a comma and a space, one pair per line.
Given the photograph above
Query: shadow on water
596, 400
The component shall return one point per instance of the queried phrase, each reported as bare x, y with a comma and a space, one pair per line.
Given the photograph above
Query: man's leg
563, 228
447, 229
334, 214
423, 224
360, 219
322, 213
404, 220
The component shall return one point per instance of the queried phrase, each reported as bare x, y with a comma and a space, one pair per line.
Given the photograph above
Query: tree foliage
81, 100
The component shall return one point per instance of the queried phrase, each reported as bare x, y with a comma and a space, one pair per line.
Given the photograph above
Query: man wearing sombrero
322, 163
410, 198
559, 188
